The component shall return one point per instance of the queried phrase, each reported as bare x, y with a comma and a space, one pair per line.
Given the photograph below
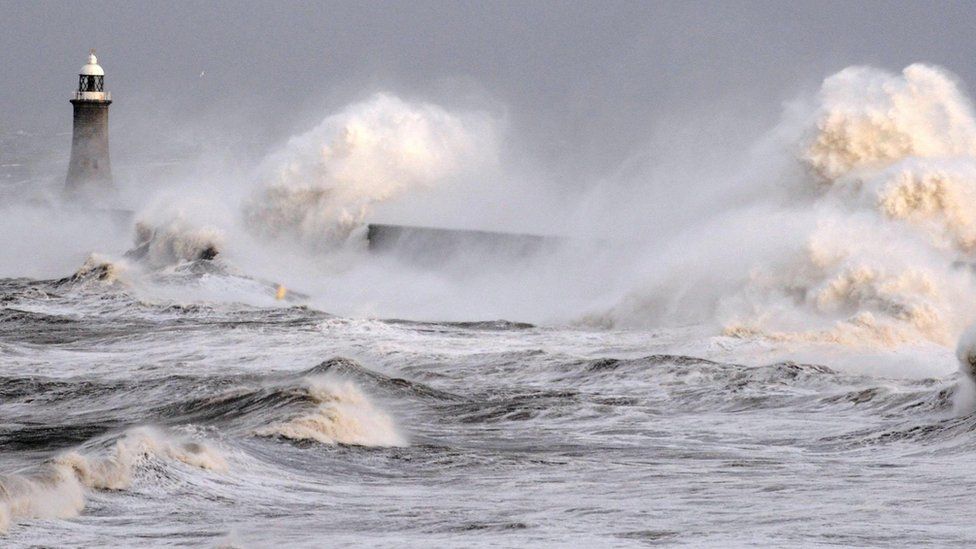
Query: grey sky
582, 84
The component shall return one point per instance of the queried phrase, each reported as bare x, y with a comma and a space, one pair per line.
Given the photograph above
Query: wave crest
58, 488
343, 415
870, 234
320, 186
869, 119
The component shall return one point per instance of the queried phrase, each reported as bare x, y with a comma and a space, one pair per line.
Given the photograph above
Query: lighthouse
90, 170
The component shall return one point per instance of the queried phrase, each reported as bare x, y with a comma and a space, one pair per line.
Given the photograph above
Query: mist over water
848, 224
789, 316
861, 235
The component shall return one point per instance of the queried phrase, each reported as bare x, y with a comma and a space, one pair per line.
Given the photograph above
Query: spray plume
870, 239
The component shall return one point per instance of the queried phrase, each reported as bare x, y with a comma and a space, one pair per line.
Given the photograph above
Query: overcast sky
581, 84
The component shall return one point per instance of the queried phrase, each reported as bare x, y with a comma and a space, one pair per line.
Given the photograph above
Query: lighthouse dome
92, 68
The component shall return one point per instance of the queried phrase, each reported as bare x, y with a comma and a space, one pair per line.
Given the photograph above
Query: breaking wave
174, 242
95, 270
58, 489
320, 186
874, 230
343, 415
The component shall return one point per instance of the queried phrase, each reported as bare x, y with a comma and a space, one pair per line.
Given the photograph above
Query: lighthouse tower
90, 170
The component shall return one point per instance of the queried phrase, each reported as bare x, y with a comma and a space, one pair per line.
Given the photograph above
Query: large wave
343, 415
320, 186
858, 232
58, 488
866, 241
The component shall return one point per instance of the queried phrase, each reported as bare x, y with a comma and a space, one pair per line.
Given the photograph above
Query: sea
792, 370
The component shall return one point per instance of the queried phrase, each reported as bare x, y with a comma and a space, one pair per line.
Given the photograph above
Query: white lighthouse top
91, 82
92, 68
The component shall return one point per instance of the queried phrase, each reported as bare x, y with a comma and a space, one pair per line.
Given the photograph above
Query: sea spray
343, 415
174, 241
96, 269
58, 488
873, 237
865, 240
964, 399
320, 186
869, 119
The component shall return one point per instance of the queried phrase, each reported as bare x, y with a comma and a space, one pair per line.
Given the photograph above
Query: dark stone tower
90, 170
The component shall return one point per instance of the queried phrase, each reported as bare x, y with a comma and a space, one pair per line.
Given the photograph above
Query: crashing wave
58, 489
174, 243
320, 186
95, 269
966, 353
934, 197
869, 252
343, 415
870, 119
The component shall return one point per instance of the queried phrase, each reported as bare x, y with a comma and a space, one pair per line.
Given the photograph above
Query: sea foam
343, 415
57, 489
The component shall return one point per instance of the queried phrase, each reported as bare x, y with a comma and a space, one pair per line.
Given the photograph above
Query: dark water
133, 422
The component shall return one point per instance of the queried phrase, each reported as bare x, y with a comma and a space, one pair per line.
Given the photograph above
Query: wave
377, 382
58, 488
692, 383
328, 403
343, 415
96, 269
940, 433
318, 188
249, 400
870, 205
39, 328
174, 242
487, 325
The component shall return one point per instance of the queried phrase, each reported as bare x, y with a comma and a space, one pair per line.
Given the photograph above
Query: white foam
175, 241
319, 187
864, 246
58, 489
343, 415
